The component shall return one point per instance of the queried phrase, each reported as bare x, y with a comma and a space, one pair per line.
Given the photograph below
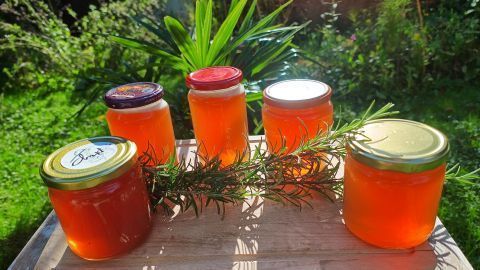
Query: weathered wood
255, 235
31, 252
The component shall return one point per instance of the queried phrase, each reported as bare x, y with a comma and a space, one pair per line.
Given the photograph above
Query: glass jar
219, 113
394, 174
295, 111
137, 112
99, 195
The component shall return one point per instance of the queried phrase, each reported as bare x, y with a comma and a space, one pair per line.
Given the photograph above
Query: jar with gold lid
394, 174
98, 193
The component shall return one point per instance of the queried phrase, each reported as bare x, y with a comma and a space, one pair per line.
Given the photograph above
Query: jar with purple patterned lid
137, 112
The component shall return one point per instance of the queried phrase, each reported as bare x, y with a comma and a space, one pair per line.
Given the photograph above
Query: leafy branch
284, 177
455, 173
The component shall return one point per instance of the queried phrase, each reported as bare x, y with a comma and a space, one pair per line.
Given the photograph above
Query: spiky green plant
259, 47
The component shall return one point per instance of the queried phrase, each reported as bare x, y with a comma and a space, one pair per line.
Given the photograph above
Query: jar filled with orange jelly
99, 195
138, 113
219, 113
394, 174
295, 111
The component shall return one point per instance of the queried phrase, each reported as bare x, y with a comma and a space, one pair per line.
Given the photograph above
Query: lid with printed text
133, 95
297, 94
214, 78
399, 145
88, 163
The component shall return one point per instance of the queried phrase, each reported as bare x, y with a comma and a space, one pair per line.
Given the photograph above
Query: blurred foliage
391, 55
38, 50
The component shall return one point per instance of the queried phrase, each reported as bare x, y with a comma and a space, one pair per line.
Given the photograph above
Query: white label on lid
294, 90
89, 155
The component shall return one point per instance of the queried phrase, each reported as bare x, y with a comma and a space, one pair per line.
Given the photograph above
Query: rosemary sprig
283, 177
455, 173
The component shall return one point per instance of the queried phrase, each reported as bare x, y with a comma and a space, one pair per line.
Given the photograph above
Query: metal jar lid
297, 94
214, 78
399, 145
88, 163
133, 95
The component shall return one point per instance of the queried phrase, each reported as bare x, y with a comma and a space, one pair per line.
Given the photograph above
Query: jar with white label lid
295, 111
99, 195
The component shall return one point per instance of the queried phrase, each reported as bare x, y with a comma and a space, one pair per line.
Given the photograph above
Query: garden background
58, 57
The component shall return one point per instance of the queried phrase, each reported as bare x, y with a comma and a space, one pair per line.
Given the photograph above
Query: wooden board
255, 235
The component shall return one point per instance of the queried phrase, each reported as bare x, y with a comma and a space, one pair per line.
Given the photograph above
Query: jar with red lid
295, 111
394, 174
99, 195
137, 112
219, 113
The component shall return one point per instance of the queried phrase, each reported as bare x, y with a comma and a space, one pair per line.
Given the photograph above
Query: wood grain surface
256, 235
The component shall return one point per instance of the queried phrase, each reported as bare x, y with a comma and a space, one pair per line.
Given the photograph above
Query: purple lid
133, 95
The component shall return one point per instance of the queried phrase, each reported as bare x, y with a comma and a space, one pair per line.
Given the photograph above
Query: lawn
32, 126
430, 71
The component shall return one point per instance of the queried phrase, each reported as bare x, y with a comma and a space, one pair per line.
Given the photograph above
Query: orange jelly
98, 193
295, 111
394, 173
138, 112
219, 113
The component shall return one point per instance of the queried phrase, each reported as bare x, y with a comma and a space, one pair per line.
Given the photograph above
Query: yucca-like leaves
266, 46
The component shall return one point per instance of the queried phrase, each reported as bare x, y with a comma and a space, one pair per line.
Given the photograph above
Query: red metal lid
297, 94
214, 78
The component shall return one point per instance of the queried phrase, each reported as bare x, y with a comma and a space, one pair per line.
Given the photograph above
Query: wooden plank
267, 236
34, 247
254, 235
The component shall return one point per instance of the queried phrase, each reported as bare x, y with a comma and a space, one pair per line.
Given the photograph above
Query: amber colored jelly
220, 122
147, 125
391, 209
293, 126
294, 112
106, 220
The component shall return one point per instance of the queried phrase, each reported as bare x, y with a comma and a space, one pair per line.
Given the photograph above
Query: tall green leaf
247, 21
225, 32
183, 40
203, 20
257, 28
175, 61
159, 30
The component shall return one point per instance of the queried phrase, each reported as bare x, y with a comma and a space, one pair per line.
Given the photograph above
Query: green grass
32, 126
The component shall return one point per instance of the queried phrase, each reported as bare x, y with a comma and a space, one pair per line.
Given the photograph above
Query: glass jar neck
157, 105
289, 111
231, 91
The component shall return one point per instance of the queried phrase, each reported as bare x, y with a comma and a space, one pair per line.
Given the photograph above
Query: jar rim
88, 163
399, 145
297, 94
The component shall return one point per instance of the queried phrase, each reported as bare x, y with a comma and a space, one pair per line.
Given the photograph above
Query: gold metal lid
88, 163
399, 145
